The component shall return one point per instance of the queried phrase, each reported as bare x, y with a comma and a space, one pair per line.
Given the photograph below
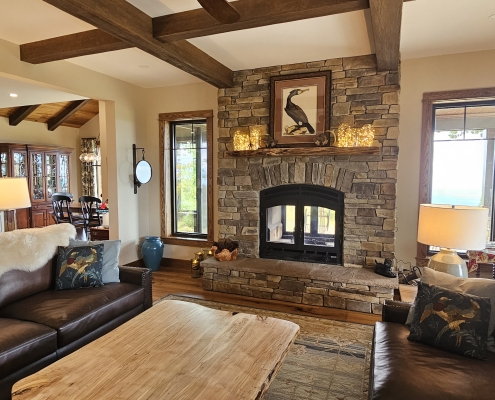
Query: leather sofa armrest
395, 311
141, 277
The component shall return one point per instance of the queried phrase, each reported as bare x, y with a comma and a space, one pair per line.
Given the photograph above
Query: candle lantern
195, 268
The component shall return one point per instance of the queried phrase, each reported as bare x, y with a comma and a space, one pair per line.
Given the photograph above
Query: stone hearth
355, 289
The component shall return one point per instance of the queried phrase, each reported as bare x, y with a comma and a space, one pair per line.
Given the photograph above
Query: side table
99, 233
476, 257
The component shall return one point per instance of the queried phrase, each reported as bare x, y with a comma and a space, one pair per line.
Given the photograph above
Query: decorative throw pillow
476, 287
111, 251
79, 267
452, 321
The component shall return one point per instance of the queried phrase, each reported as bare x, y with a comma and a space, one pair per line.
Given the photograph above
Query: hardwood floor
176, 279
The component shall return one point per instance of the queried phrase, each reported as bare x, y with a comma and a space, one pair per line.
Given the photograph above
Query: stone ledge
301, 270
323, 285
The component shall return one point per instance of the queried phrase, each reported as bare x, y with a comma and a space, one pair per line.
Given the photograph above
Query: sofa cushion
452, 321
111, 251
401, 369
17, 284
75, 313
23, 343
79, 267
477, 287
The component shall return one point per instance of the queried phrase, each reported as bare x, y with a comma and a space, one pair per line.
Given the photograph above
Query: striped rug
328, 361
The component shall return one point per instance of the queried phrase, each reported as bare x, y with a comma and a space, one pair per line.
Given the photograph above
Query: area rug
329, 360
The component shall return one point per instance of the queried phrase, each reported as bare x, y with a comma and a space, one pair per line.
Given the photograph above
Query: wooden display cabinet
47, 169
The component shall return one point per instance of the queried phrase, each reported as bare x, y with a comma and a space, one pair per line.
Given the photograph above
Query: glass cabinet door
3, 164
51, 174
19, 164
64, 173
37, 186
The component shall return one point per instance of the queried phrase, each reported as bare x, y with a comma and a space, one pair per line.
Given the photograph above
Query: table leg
493, 271
478, 270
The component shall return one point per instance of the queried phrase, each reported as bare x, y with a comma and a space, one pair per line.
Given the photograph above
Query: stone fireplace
360, 95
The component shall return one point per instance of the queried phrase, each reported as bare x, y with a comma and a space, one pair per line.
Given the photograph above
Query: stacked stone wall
360, 95
359, 297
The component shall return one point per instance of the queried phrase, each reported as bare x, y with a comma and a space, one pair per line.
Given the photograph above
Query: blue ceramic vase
152, 251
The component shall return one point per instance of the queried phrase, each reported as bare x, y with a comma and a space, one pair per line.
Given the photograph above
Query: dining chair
62, 212
89, 205
64, 194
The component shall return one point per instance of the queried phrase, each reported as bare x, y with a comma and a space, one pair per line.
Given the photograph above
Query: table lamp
14, 194
450, 228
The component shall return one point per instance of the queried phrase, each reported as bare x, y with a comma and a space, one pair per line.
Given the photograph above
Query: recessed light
144, 66
491, 16
13, 94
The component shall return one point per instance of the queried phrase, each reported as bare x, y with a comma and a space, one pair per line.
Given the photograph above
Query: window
189, 158
458, 153
186, 195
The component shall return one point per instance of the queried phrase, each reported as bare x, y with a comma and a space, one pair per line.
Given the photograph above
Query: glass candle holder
195, 268
199, 256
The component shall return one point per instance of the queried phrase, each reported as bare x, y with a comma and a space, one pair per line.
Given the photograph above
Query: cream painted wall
124, 109
193, 97
431, 74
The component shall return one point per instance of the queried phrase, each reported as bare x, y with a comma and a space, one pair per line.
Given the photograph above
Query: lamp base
448, 261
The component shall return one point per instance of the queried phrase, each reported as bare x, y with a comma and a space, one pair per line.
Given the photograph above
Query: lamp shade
14, 193
453, 227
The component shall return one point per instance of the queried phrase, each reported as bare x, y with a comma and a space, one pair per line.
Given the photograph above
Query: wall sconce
354, 137
141, 169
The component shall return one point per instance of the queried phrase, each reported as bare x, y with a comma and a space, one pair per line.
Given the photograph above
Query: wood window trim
429, 100
165, 221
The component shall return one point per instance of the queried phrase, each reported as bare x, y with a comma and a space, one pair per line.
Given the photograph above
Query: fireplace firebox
301, 223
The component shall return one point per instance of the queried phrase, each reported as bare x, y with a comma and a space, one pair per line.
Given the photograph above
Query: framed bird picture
299, 107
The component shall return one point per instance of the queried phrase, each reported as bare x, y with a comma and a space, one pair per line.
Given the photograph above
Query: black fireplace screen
301, 223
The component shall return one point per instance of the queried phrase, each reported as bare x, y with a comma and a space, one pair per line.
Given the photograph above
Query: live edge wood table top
174, 350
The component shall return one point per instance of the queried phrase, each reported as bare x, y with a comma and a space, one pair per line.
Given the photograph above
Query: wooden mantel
305, 151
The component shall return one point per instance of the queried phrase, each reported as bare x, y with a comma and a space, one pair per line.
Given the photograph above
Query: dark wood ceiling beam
66, 113
68, 46
21, 114
254, 13
129, 24
386, 19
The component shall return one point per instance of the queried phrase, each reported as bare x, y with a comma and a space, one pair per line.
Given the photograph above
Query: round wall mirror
143, 171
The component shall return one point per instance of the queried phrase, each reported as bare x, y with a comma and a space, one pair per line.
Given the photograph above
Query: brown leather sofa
405, 370
39, 325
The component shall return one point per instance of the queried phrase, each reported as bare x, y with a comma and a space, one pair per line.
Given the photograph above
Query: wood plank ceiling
120, 25
73, 114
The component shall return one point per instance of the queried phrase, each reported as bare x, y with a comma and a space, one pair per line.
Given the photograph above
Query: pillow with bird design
453, 321
79, 267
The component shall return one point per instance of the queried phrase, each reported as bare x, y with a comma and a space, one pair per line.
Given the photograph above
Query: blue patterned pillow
453, 321
79, 267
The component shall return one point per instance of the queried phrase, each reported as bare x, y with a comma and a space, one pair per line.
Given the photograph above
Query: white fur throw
30, 249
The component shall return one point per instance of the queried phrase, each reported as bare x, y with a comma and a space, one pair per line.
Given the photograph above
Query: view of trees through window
189, 177
463, 155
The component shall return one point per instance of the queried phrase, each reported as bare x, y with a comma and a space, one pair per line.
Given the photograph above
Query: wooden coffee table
175, 350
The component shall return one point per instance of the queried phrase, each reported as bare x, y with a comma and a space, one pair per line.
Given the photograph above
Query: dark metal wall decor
141, 170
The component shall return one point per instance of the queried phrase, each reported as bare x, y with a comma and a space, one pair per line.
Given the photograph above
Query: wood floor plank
178, 281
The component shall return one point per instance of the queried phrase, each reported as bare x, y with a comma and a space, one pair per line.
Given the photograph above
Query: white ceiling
430, 27
28, 94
